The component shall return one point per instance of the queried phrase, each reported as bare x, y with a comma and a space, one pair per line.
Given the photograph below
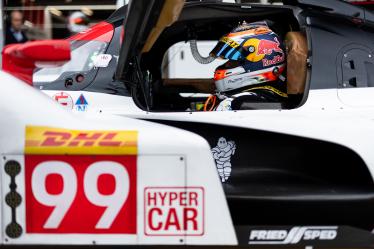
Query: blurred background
25, 20
45, 19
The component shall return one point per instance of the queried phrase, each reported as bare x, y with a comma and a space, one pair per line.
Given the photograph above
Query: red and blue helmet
255, 56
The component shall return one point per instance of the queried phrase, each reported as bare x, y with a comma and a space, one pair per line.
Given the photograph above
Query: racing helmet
255, 56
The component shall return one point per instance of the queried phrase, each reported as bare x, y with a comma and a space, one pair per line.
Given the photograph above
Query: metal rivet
181, 158
369, 55
345, 55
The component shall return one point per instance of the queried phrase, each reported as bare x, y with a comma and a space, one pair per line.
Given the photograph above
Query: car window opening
183, 83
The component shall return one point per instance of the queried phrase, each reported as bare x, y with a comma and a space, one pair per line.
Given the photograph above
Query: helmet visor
229, 49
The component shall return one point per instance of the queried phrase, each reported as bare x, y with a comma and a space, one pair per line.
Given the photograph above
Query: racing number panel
271, 175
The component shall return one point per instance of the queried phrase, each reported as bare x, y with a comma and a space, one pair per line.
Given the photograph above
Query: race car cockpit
165, 91
183, 60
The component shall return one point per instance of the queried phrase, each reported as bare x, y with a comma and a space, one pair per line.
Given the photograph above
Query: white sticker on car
102, 60
64, 99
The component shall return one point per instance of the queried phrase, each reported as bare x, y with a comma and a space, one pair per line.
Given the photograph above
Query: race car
288, 166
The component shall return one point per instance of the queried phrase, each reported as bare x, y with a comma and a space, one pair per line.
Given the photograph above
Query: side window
179, 62
79, 72
82, 56
105, 81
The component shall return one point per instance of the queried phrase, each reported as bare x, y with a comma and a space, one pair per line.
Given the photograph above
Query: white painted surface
158, 153
324, 116
357, 97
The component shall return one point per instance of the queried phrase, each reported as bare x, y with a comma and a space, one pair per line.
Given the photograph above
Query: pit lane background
1, 30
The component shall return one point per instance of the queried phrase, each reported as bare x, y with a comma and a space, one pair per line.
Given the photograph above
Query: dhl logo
45, 140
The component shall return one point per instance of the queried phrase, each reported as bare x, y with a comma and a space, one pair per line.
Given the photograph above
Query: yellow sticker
54, 141
230, 42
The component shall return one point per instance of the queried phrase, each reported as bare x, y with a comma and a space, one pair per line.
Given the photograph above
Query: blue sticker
81, 104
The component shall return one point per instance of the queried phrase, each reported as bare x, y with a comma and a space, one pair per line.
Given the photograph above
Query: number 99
63, 201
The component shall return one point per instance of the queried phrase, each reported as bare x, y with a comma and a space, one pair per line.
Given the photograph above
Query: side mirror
20, 60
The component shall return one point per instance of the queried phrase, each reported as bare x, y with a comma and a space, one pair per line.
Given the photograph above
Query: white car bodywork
343, 117
166, 158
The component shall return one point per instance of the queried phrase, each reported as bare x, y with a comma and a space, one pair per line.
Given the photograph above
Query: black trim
118, 15
141, 17
279, 179
291, 236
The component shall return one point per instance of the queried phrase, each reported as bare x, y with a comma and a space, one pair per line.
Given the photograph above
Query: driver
254, 70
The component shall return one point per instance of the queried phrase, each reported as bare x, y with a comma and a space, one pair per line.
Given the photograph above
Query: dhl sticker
54, 141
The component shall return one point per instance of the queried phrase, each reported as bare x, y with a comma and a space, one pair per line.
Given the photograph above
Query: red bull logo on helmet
266, 47
276, 60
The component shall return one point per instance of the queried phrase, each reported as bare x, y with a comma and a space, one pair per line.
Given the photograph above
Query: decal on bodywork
80, 194
293, 236
80, 182
302, 236
81, 105
102, 60
222, 155
55, 141
174, 211
64, 99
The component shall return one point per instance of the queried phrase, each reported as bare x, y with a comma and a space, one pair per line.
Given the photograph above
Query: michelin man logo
222, 155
